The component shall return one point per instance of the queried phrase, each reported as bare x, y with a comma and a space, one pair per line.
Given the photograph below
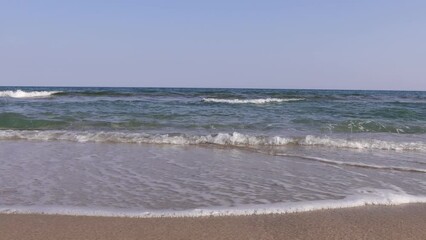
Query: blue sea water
179, 149
209, 111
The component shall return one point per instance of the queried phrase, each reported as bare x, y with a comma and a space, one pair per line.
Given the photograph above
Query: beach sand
370, 222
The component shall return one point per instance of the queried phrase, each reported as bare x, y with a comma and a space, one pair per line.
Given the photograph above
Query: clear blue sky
338, 44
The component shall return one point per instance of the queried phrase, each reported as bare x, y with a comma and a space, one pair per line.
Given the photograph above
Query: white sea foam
226, 139
363, 143
252, 101
31, 94
362, 198
355, 164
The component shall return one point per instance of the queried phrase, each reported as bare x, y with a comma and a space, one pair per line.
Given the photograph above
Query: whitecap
24, 94
252, 101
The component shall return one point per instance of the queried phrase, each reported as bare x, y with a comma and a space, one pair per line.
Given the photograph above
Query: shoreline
406, 221
363, 199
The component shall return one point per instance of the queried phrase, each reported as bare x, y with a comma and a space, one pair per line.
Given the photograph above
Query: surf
27, 94
362, 197
251, 101
221, 139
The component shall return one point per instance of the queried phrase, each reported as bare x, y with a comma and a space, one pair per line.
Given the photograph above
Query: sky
339, 44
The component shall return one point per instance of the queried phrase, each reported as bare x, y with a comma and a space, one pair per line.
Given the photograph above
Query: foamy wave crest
363, 144
23, 94
225, 139
363, 197
252, 101
232, 139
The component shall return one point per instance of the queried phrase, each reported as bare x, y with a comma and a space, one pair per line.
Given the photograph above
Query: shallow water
138, 152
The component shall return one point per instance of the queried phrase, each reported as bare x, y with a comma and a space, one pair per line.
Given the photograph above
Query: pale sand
371, 222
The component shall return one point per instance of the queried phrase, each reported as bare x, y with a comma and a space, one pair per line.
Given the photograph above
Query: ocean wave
355, 164
361, 197
96, 93
30, 94
363, 144
10, 120
376, 126
252, 101
223, 139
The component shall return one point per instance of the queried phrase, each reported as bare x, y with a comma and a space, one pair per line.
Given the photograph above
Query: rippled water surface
151, 149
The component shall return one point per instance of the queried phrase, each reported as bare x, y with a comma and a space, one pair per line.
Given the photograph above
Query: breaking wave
252, 101
223, 139
363, 144
31, 94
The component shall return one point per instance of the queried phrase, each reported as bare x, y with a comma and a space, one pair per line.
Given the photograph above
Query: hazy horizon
173, 87
239, 44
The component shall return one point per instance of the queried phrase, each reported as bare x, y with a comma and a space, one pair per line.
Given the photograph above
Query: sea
173, 152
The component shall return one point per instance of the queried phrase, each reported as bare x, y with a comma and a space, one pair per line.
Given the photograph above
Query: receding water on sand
155, 180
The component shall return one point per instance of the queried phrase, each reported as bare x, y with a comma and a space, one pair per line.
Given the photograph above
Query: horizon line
248, 88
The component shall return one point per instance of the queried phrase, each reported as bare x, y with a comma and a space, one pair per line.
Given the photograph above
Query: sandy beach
370, 222
212, 120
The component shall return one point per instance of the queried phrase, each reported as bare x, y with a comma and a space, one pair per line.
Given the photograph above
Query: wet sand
370, 222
